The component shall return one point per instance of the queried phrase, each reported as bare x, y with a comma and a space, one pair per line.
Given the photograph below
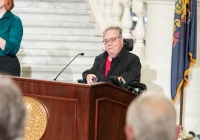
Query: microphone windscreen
82, 54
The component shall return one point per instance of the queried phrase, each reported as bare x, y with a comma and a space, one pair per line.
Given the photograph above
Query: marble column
126, 22
139, 34
116, 13
108, 10
159, 32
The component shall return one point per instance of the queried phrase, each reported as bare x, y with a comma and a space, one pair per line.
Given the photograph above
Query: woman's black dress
9, 65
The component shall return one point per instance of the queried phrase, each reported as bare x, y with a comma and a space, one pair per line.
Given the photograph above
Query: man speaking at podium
115, 61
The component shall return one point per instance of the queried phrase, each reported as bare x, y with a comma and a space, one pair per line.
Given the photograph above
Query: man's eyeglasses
111, 40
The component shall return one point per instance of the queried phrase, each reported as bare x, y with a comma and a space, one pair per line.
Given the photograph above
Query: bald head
152, 117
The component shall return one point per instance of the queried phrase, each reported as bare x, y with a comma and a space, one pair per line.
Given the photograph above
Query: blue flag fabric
184, 44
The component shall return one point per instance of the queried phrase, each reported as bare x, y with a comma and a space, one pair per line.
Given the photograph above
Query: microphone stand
67, 65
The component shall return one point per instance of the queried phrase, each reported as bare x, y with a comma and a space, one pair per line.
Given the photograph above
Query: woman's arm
2, 43
11, 45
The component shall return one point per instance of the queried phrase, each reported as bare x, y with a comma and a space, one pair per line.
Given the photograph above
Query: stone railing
112, 12
118, 12
160, 15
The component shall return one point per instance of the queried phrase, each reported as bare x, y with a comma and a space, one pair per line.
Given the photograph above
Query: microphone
68, 65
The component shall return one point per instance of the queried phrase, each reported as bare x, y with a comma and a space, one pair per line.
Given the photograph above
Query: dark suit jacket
126, 65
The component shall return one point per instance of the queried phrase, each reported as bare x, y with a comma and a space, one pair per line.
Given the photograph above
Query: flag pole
182, 134
181, 106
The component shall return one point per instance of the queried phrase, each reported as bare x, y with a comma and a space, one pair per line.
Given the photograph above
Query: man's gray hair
152, 117
12, 110
117, 28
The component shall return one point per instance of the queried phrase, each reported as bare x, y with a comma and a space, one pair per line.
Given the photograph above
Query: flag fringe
186, 73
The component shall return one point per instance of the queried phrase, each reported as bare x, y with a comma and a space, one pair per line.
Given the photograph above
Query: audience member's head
12, 110
151, 117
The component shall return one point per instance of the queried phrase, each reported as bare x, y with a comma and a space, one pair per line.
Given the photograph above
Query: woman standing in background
11, 32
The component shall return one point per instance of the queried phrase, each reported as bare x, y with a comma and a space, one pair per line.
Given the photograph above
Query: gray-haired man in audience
151, 117
12, 110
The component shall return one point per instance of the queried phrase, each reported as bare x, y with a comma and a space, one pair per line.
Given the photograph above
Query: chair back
128, 43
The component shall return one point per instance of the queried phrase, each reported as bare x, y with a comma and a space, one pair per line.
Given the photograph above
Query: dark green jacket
11, 30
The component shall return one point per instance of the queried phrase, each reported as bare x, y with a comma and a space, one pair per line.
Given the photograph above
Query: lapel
114, 63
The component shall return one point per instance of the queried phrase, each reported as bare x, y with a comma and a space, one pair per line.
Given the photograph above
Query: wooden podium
80, 111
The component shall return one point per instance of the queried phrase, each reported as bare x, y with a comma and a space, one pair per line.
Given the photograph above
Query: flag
184, 44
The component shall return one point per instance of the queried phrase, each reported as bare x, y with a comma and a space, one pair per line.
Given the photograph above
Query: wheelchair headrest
128, 43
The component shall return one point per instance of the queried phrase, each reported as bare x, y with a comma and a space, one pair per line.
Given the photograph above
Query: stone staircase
55, 31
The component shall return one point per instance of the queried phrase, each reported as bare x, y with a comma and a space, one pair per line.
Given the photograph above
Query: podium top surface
80, 85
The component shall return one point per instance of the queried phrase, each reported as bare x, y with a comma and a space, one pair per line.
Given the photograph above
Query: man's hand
89, 78
120, 78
